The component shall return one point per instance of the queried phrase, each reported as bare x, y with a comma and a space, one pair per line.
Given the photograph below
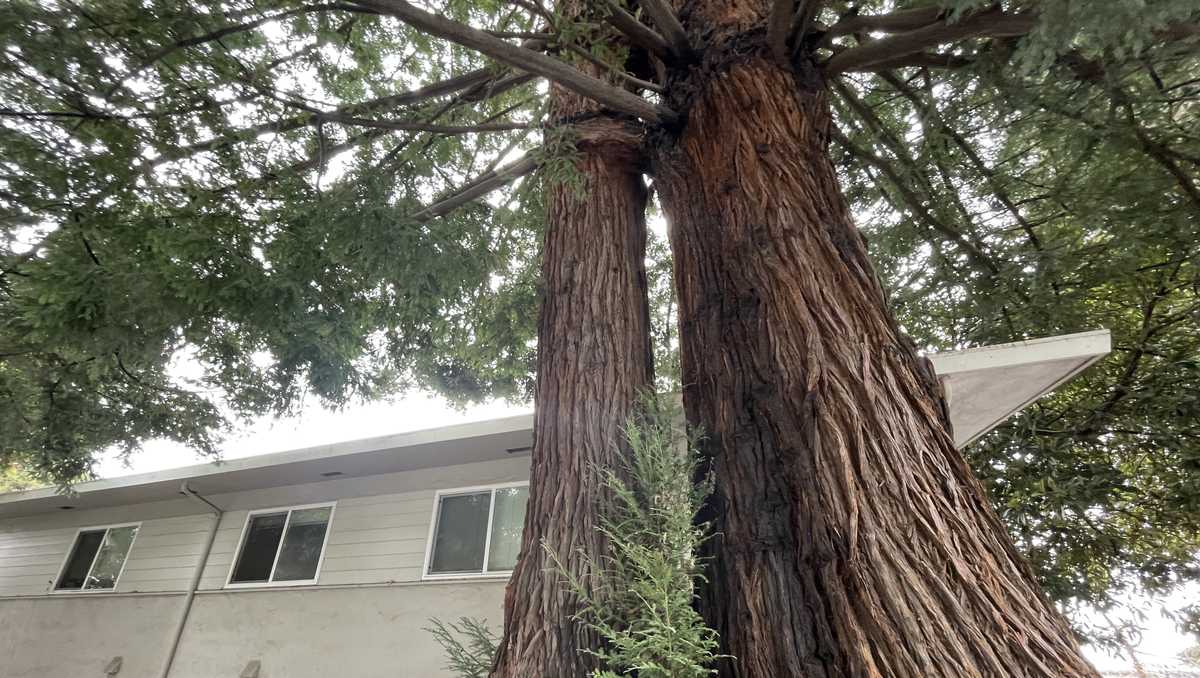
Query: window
97, 558
476, 531
282, 546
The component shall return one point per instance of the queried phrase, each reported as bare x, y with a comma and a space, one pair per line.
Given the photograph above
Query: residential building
330, 560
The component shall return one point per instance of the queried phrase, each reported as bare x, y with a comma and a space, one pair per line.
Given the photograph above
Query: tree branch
524, 59
478, 187
895, 22
221, 33
449, 86
916, 205
804, 19
617, 72
416, 126
664, 18
779, 26
919, 60
51, 115
638, 33
990, 23
929, 111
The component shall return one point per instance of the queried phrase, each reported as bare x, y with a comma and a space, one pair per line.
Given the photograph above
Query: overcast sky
315, 426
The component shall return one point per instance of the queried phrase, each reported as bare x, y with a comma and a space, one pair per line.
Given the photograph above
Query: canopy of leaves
187, 239
212, 210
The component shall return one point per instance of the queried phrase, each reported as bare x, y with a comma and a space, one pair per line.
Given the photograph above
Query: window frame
62, 568
487, 539
241, 544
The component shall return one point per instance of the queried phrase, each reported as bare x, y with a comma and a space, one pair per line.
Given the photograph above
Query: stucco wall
371, 632
311, 632
76, 636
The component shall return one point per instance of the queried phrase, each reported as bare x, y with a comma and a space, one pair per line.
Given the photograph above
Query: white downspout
195, 583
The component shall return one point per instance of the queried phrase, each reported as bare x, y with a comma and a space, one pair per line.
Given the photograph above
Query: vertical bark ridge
594, 359
853, 538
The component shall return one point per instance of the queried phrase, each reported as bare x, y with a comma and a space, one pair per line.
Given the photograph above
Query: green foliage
188, 238
14, 479
558, 156
639, 598
469, 646
186, 244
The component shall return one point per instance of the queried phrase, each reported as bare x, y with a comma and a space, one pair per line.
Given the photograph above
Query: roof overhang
428, 448
984, 386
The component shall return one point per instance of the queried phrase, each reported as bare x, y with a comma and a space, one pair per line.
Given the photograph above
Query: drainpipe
199, 571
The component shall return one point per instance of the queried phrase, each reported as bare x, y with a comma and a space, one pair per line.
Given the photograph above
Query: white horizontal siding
165, 554
225, 543
376, 536
29, 561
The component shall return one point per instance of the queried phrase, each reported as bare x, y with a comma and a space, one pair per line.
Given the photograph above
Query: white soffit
412, 450
986, 385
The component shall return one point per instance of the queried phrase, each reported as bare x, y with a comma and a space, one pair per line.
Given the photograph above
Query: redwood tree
594, 362
326, 186
853, 538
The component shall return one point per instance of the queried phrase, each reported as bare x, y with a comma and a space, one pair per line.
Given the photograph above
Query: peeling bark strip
854, 539
593, 359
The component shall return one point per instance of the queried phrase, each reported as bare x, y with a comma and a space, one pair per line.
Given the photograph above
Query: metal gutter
190, 596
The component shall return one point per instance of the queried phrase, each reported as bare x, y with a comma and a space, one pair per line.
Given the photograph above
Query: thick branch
418, 126
478, 187
919, 60
779, 26
638, 33
990, 23
895, 22
664, 18
525, 59
805, 18
484, 81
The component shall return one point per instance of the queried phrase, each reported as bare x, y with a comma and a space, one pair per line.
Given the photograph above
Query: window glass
282, 546
508, 520
257, 555
80, 561
460, 533
111, 558
301, 551
462, 543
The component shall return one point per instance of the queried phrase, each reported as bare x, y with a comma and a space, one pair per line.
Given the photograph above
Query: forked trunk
593, 360
854, 540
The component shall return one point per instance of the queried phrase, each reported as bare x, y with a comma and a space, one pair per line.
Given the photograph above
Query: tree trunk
853, 539
593, 361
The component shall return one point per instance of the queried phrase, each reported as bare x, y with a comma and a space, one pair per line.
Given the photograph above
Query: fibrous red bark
853, 539
594, 360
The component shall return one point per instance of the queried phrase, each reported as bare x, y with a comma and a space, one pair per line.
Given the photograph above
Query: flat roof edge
439, 434
1082, 345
